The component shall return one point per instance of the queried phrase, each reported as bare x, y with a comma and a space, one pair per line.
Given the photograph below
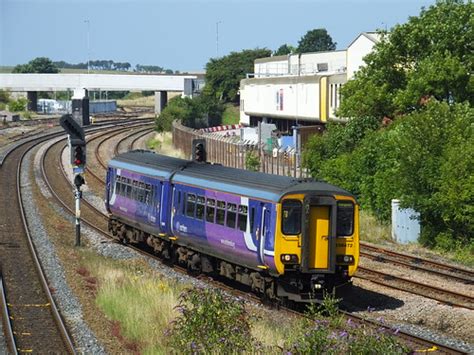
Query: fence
231, 151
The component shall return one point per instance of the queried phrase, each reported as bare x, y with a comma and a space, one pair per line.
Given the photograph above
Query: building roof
373, 36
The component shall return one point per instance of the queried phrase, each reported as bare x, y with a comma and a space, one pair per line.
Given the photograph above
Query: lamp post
217, 38
88, 44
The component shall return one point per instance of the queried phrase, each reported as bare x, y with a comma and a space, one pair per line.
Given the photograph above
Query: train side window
190, 205
210, 210
129, 191
231, 215
183, 206
291, 217
345, 218
117, 187
242, 221
220, 213
200, 207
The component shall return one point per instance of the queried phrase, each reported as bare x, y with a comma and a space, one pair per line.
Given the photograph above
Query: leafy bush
4, 96
252, 161
425, 159
199, 112
210, 322
18, 105
324, 330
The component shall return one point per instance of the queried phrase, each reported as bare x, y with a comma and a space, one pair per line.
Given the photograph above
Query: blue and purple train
285, 238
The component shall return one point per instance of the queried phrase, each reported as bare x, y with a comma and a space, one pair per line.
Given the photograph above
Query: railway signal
77, 147
199, 150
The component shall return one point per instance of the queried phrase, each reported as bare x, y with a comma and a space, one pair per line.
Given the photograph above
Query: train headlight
345, 259
289, 258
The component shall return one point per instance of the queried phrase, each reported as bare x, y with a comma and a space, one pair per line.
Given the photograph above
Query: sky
181, 34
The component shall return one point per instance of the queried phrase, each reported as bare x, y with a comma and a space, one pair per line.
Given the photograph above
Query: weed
210, 322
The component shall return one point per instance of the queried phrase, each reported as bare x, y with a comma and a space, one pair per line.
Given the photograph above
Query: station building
301, 89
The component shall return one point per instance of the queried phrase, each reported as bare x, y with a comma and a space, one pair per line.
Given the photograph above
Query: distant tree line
46, 65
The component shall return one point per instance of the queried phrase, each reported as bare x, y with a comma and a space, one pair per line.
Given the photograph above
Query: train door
319, 243
262, 219
319, 237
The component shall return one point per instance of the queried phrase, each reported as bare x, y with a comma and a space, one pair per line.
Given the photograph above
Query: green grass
231, 115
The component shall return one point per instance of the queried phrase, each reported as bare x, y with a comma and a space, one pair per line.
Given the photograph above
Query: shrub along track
60, 187
36, 323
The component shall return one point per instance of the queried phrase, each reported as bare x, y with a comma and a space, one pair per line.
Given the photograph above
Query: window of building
210, 210
242, 221
200, 203
322, 66
231, 215
220, 213
291, 217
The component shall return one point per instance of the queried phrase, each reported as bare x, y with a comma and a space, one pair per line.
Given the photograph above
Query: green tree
37, 65
285, 49
429, 56
223, 75
317, 40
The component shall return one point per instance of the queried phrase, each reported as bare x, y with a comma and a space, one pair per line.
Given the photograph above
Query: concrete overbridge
82, 83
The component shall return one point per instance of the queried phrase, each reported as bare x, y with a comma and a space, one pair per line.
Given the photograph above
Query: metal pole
88, 45
78, 196
217, 38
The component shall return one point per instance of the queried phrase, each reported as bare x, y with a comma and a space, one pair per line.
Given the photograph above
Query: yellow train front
316, 241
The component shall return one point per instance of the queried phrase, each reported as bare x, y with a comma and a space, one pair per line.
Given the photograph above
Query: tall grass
372, 230
163, 143
139, 301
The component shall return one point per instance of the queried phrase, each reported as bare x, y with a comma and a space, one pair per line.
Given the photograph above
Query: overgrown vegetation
199, 112
252, 161
211, 322
424, 154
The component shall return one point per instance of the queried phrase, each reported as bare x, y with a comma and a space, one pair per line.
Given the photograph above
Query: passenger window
345, 218
183, 206
129, 191
242, 218
200, 207
291, 217
252, 218
231, 215
190, 205
220, 213
210, 210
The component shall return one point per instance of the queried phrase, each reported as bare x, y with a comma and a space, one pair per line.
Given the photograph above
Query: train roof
232, 180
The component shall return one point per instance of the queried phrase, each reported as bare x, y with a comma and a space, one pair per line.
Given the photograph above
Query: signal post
77, 147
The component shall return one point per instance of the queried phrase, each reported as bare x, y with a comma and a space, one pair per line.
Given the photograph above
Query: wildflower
370, 309
396, 331
343, 334
380, 319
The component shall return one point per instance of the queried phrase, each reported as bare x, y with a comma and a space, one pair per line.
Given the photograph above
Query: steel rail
455, 272
7, 325
414, 287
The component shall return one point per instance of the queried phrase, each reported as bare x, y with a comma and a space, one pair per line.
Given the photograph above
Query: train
285, 238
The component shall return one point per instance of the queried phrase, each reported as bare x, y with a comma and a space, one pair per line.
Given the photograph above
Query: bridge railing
231, 151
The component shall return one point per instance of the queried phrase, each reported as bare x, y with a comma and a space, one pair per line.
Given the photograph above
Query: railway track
436, 293
35, 321
99, 177
96, 219
413, 262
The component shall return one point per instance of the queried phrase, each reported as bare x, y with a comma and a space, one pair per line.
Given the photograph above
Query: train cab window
231, 215
220, 213
190, 205
291, 217
345, 218
200, 207
210, 210
242, 221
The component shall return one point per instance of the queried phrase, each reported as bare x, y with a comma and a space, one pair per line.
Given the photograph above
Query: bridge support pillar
161, 98
32, 97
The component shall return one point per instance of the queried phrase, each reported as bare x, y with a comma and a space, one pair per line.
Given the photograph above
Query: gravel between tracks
67, 302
